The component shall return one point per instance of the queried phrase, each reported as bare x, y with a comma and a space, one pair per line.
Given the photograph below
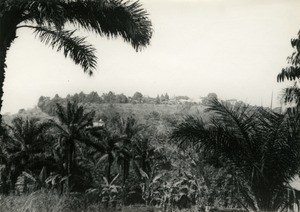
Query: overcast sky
234, 48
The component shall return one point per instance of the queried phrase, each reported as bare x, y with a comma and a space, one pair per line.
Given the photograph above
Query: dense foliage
124, 154
126, 158
258, 147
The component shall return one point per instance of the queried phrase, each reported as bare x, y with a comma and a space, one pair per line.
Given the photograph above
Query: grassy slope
140, 110
43, 201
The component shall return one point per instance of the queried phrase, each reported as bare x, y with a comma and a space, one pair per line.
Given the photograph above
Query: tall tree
129, 130
48, 19
260, 147
110, 97
292, 73
137, 97
73, 127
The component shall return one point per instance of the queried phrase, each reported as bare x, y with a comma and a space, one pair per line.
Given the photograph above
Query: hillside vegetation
105, 155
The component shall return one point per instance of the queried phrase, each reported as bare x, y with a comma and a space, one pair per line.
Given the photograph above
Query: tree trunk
108, 171
125, 176
8, 24
68, 166
8, 27
3, 52
125, 170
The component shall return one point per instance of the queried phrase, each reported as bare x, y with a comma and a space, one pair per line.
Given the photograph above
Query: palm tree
128, 131
110, 143
25, 146
260, 148
117, 146
73, 128
116, 141
48, 19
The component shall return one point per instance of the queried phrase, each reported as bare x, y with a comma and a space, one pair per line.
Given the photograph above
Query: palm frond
72, 46
44, 13
61, 114
63, 133
215, 140
74, 121
112, 18
240, 118
189, 132
28, 130
90, 141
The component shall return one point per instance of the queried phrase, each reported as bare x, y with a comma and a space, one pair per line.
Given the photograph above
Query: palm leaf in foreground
260, 147
73, 46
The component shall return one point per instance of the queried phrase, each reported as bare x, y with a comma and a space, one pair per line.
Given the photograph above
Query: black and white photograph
149, 105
